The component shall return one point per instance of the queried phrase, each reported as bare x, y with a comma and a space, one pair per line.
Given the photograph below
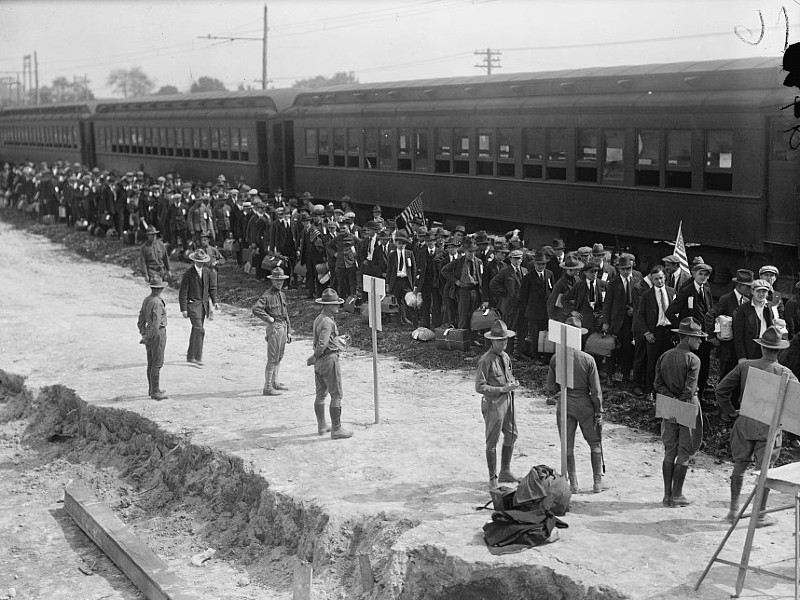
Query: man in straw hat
272, 308
327, 374
198, 291
727, 306
584, 408
749, 437
154, 256
677, 373
496, 382
153, 329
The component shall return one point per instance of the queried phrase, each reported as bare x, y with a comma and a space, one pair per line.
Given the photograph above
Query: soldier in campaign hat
272, 308
153, 257
153, 329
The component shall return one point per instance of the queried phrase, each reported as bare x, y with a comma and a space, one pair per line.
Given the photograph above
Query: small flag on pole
413, 211
680, 249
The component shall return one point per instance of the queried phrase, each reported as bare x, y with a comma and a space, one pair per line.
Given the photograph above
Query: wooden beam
147, 572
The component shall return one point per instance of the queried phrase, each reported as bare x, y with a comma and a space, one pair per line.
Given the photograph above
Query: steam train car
619, 155
199, 135
47, 133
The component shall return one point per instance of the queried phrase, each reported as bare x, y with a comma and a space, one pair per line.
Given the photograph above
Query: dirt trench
250, 524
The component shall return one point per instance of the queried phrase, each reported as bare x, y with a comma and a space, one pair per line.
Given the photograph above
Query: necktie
627, 291
591, 292
663, 295
701, 298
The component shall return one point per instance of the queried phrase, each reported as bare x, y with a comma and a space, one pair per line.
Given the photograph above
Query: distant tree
165, 90
207, 84
322, 81
63, 90
130, 82
242, 87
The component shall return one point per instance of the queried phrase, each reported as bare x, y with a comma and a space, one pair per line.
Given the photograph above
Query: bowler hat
499, 331
690, 326
199, 256
576, 322
467, 244
157, 282
277, 273
624, 263
743, 277
591, 265
451, 243
329, 296
570, 262
772, 338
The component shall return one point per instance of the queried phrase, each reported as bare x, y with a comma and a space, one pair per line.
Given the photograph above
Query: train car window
354, 137
311, 143
215, 143
224, 143
421, 154
145, 140
244, 146
679, 158
485, 165
614, 155
370, 148
162, 141
533, 153
234, 144
338, 147
557, 154
195, 138
114, 138
170, 141
444, 150
505, 143
718, 173
385, 148
586, 168
129, 135
179, 141
324, 151
461, 151
784, 140
404, 150
204, 142
648, 161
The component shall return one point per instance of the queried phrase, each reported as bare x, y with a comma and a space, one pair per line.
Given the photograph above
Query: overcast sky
379, 40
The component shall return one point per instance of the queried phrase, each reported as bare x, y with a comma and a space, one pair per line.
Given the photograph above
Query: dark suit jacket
281, 238
194, 289
452, 273
745, 330
615, 304
646, 318
392, 267
506, 287
577, 299
534, 294
375, 267
726, 305
679, 308
427, 271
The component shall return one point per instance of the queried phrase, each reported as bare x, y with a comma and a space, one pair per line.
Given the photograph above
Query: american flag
413, 211
680, 249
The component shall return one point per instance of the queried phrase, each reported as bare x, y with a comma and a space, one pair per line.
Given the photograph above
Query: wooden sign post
764, 400
376, 288
567, 339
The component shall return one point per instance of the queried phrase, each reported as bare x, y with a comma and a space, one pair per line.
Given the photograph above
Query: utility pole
36, 71
26, 77
262, 39
491, 60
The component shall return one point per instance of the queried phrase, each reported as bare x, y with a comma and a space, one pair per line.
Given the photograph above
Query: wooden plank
147, 572
367, 576
302, 580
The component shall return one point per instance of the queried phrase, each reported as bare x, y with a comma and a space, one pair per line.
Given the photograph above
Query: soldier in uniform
154, 256
495, 381
153, 329
327, 374
272, 308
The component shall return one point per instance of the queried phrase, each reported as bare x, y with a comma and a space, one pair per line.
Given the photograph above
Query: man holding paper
677, 372
748, 436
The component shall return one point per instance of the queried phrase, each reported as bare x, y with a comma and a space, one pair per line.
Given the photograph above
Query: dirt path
70, 321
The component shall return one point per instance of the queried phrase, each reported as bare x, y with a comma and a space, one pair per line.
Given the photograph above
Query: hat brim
509, 334
321, 301
779, 346
702, 267
577, 265
278, 277
163, 284
700, 334
148, 232
193, 257
737, 282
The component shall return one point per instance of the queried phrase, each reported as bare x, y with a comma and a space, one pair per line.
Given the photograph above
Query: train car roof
272, 100
50, 110
715, 75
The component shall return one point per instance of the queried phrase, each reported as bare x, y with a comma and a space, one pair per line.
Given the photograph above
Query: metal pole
374, 307
562, 355
36, 73
264, 57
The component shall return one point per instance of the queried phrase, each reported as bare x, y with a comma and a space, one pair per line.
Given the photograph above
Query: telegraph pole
36, 72
491, 60
262, 39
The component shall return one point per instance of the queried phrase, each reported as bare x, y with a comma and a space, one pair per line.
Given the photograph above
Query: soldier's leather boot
269, 390
573, 477
275, 377
597, 472
736, 490
506, 476
679, 476
491, 462
764, 520
156, 393
322, 422
667, 470
337, 431
149, 382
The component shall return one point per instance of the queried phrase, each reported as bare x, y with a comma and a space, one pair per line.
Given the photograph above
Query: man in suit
554, 263
493, 263
607, 272
618, 319
584, 300
694, 300
427, 281
401, 271
535, 290
198, 291
281, 237
750, 321
770, 274
447, 287
465, 274
727, 306
506, 286
653, 321
676, 277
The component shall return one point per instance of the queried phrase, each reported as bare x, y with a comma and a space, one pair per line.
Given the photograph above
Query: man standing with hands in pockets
271, 307
496, 382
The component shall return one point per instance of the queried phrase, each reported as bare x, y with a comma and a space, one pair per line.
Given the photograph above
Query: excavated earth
218, 465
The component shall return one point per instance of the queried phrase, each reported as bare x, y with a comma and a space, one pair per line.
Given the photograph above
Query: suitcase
449, 338
484, 318
48, 220
600, 345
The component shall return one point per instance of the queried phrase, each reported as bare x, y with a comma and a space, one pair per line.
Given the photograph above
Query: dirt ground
71, 321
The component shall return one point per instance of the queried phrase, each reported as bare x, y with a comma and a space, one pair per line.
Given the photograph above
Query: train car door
288, 157
276, 157
86, 142
263, 156
783, 183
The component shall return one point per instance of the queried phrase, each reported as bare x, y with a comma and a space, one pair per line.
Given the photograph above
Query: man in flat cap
750, 321
676, 277
726, 306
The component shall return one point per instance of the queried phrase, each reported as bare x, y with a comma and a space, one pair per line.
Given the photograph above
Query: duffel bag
600, 344
484, 318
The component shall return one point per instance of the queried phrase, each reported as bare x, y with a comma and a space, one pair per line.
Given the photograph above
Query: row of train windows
662, 158
186, 142
54, 136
